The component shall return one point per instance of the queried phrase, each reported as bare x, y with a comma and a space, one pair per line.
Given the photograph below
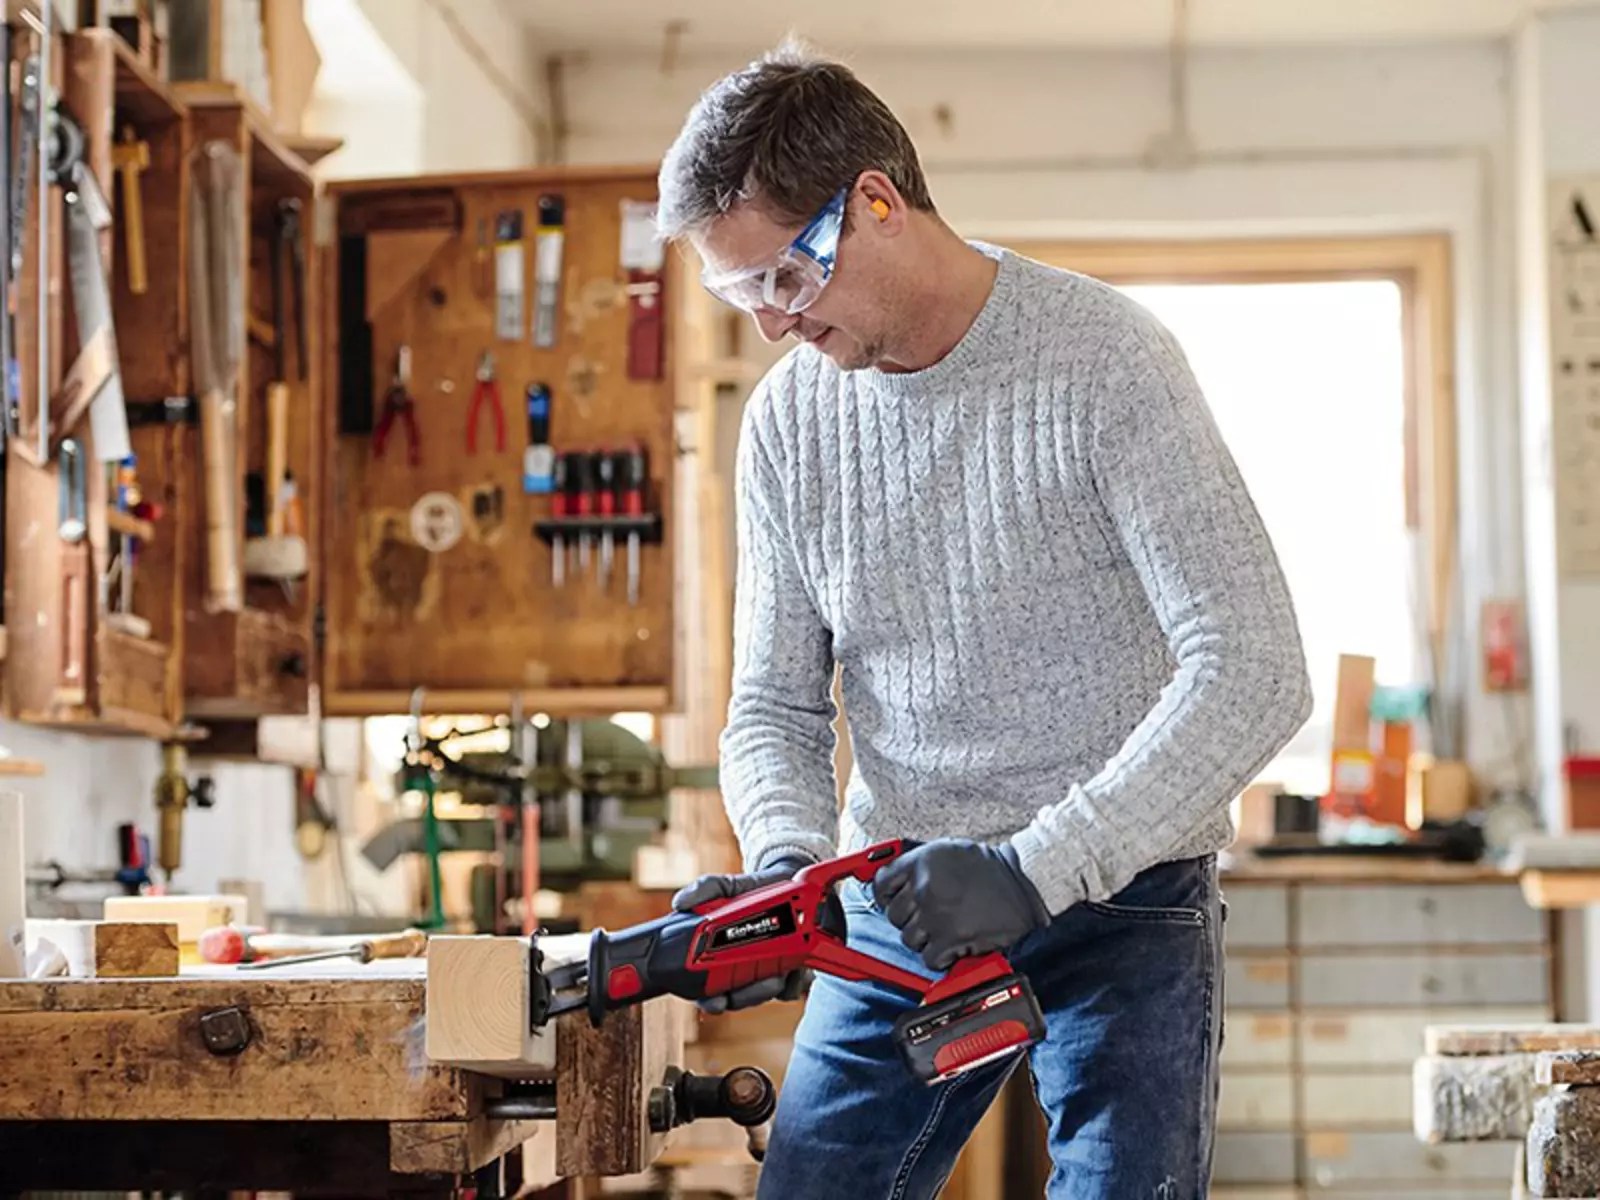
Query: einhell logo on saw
774, 922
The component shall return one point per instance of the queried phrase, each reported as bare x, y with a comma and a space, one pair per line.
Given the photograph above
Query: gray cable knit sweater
1057, 615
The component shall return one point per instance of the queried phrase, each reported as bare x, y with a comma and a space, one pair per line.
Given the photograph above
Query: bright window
1307, 384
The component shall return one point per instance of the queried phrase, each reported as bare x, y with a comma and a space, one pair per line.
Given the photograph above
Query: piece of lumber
1473, 1098
1563, 1143
303, 1047
478, 1014
193, 915
1560, 889
603, 1082
13, 889
111, 949
1510, 1039
458, 1147
1575, 1067
20, 766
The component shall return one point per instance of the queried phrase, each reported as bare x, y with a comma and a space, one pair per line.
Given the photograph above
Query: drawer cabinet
1328, 990
1424, 978
1481, 914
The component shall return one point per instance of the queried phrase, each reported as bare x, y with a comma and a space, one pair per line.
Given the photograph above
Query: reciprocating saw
980, 1011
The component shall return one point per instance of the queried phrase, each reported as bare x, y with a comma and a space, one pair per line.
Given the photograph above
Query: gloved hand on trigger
952, 898
714, 887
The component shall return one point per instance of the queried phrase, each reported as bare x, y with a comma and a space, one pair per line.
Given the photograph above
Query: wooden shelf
141, 97
20, 767
578, 701
129, 525
272, 162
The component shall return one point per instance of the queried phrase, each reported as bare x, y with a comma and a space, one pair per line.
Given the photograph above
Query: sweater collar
966, 352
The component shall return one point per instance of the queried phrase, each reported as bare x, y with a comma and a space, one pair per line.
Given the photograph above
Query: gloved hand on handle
952, 898
716, 887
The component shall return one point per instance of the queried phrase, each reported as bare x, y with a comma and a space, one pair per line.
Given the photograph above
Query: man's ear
884, 202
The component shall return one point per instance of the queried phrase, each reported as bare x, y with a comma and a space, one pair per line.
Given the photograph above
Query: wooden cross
130, 157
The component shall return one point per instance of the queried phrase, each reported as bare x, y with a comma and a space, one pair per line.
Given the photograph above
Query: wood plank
13, 887
335, 1047
111, 949
1560, 889
193, 915
1390, 1037
1514, 1038
571, 702
20, 767
458, 1147
604, 1077
1580, 1067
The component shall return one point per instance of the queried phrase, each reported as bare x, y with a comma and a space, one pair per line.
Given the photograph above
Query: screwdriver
413, 943
606, 469
583, 469
633, 506
560, 481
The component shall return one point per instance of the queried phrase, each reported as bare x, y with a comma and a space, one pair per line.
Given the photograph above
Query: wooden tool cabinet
478, 621
435, 576
1334, 971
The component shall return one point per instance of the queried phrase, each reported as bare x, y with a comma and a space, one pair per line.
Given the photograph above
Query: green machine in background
601, 793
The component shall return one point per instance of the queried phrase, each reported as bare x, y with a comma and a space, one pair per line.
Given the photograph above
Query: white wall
479, 81
1035, 144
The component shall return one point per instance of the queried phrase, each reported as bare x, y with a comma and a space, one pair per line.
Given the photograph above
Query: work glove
713, 887
953, 897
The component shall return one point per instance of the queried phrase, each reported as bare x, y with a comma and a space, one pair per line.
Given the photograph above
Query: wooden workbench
311, 1079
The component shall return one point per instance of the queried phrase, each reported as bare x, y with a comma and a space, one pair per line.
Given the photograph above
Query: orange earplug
881, 208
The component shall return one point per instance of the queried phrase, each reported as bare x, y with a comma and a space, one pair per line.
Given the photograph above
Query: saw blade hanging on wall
88, 214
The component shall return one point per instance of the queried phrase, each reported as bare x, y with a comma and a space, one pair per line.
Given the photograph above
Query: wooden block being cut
193, 915
111, 949
477, 1008
1472, 1098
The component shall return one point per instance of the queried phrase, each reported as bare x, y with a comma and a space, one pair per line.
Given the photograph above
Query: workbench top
1345, 867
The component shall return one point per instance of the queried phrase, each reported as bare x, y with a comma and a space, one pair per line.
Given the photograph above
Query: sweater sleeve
777, 776
1173, 496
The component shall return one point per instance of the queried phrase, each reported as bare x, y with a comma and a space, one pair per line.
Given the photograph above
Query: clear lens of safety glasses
794, 281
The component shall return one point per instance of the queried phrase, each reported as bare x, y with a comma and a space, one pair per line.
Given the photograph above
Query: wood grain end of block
477, 1002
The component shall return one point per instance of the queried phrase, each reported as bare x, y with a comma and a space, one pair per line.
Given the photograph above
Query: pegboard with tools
500, 440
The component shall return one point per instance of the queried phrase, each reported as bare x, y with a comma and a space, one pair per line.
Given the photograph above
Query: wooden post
13, 888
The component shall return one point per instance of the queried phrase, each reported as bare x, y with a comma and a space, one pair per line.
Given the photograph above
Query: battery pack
942, 1040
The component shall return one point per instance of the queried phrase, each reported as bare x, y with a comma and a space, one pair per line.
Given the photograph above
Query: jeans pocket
1173, 893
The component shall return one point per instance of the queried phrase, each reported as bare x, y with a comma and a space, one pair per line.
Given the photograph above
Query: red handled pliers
398, 402
487, 392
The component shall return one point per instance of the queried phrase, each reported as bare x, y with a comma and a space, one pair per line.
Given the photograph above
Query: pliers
398, 402
487, 392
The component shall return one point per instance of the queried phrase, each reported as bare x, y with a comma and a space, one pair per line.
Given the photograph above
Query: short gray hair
785, 133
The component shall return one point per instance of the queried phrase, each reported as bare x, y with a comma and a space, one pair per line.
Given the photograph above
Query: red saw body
981, 1010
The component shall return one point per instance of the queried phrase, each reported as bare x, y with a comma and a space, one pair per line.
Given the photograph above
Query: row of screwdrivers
601, 483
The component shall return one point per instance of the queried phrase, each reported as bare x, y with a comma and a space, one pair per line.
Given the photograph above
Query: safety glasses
791, 282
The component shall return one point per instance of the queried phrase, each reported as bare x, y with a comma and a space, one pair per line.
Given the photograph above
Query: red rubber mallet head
222, 944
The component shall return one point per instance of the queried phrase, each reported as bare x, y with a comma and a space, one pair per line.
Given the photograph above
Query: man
992, 494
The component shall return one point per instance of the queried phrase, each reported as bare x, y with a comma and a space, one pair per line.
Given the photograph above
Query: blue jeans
1127, 1078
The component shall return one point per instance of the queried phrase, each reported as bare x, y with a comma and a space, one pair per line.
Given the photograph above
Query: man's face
843, 321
